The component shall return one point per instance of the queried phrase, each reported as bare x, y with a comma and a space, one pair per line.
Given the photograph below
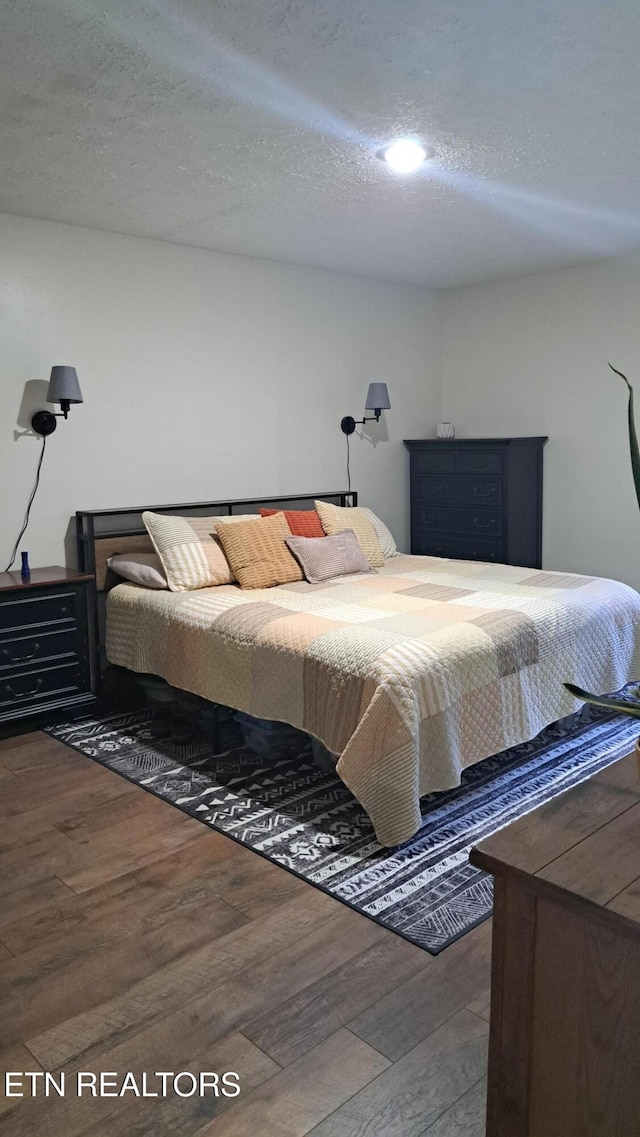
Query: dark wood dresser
45, 659
477, 499
564, 1043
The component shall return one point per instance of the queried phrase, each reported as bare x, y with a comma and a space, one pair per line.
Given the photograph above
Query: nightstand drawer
56, 607
20, 653
458, 490
32, 688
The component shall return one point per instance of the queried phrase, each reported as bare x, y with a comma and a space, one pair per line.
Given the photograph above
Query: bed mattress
410, 674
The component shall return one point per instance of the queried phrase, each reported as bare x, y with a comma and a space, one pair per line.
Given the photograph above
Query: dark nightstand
46, 663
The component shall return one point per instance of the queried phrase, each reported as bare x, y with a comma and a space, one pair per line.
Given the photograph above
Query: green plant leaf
633, 438
609, 701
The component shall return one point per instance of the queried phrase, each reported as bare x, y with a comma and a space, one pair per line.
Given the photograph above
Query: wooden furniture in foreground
564, 1052
45, 656
477, 499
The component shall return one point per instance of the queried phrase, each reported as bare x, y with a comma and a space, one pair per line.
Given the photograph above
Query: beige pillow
388, 546
189, 550
322, 558
337, 518
257, 552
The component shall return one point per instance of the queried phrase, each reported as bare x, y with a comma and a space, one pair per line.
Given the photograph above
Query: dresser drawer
56, 607
457, 548
472, 522
433, 461
456, 461
458, 490
32, 689
479, 462
27, 652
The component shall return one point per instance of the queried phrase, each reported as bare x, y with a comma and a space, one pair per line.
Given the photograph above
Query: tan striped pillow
257, 552
322, 558
337, 518
190, 550
388, 545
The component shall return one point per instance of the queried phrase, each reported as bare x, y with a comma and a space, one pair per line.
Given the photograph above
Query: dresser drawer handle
433, 520
22, 658
489, 524
484, 493
24, 694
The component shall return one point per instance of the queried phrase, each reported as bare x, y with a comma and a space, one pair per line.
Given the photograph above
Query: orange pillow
302, 522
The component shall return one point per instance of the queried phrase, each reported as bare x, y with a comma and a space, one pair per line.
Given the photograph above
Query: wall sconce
64, 389
377, 401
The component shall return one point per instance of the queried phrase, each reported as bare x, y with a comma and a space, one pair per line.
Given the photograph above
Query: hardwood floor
134, 939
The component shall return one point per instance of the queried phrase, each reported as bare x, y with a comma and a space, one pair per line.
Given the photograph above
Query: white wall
207, 375
529, 356
204, 376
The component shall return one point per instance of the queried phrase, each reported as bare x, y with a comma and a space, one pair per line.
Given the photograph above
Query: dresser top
586, 842
447, 443
52, 574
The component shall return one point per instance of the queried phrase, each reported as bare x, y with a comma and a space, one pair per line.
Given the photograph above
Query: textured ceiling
250, 126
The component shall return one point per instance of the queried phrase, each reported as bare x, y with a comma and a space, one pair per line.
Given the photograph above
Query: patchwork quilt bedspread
410, 674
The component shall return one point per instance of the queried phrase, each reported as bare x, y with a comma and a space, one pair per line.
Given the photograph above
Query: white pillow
384, 535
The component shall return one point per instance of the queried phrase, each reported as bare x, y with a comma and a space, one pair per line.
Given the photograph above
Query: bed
409, 674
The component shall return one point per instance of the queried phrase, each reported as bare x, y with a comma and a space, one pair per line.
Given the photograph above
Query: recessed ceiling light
405, 156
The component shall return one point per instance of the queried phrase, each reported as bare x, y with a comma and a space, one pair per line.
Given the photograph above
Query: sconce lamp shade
64, 386
64, 389
377, 398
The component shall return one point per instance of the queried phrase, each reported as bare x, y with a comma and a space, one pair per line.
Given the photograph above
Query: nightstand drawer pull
488, 523
490, 492
25, 694
22, 658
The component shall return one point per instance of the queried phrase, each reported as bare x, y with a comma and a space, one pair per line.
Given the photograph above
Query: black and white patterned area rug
296, 814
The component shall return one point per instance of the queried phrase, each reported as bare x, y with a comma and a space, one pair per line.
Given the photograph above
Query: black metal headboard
93, 524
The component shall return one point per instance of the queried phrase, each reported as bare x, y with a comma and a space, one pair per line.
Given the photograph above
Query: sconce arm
349, 424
